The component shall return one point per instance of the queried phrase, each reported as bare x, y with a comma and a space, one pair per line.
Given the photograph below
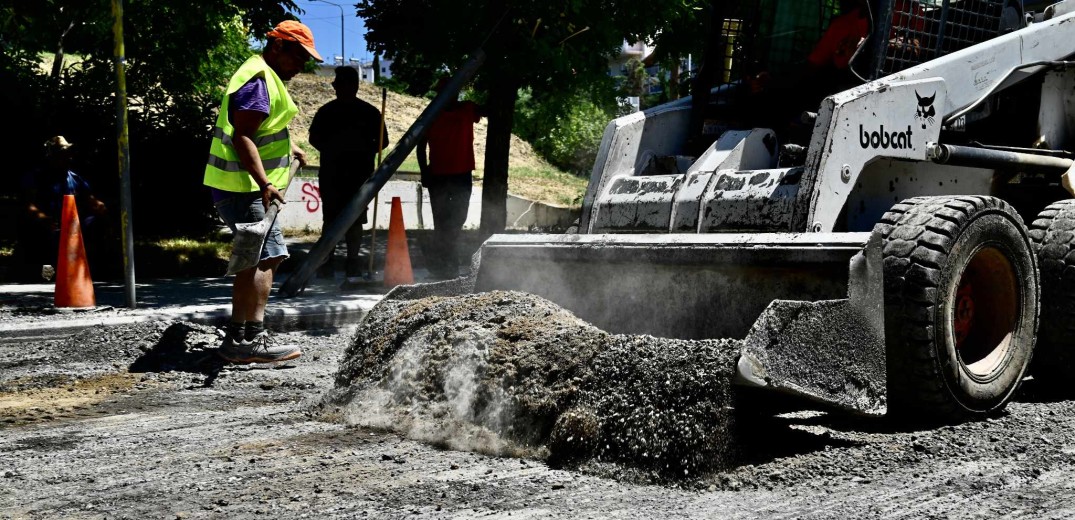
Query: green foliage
177, 60
188, 247
572, 144
394, 84
636, 78
566, 131
182, 257
540, 44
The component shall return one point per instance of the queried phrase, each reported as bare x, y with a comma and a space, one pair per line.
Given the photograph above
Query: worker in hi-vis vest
248, 167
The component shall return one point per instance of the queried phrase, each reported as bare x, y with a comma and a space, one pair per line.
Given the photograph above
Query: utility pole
124, 153
343, 53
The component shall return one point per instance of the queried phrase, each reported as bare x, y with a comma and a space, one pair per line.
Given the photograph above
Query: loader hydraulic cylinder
973, 157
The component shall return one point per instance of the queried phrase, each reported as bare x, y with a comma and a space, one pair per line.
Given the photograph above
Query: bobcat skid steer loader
885, 264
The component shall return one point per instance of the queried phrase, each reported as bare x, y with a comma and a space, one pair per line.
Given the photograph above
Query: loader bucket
685, 286
807, 306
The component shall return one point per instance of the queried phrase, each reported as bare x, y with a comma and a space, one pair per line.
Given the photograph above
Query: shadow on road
181, 348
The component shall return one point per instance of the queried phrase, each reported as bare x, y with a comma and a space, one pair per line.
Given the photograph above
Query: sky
324, 20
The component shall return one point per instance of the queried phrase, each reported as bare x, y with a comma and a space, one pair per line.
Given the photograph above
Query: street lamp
343, 54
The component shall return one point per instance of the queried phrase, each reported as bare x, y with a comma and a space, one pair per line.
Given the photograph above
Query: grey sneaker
262, 349
229, 347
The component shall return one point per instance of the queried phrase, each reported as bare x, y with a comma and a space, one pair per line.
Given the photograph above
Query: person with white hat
43, 190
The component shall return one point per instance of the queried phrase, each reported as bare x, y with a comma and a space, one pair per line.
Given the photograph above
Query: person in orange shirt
840, 41
831, 57
780, 101
448, 176
828, 65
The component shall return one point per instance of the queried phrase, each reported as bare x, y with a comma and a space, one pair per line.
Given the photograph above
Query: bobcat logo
925, 111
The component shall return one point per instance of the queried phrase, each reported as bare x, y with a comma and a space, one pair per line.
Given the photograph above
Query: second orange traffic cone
397, 261
74, 287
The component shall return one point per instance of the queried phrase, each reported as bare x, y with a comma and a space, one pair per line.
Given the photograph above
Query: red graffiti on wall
311, 195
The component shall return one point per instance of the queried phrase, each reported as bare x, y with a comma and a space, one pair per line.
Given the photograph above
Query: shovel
250, 238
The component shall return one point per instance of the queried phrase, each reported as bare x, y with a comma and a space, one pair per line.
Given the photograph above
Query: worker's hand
269, 194
1067, 182
299, 155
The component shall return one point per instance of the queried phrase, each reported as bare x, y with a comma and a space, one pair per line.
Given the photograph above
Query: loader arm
890, 107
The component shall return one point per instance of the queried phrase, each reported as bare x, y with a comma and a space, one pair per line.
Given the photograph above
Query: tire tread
1054, 245
912, 273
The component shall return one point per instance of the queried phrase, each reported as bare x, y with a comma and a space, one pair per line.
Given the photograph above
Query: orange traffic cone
397, 261
74, 288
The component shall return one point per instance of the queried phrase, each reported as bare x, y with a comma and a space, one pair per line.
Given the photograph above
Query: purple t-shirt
253, 96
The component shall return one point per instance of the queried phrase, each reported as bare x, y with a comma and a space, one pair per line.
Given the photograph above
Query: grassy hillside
530, 176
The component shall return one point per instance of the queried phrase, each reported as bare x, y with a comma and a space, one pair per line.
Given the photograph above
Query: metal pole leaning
376, 198
336, 230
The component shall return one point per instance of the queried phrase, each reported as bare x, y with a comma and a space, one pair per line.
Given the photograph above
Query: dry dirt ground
143, 422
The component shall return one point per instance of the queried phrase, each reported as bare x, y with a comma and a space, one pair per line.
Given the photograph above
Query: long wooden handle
376, 198
274, 206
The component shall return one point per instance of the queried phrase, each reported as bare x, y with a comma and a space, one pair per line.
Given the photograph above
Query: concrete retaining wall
303, 209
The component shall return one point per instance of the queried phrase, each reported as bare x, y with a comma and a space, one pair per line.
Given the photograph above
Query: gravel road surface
142, 421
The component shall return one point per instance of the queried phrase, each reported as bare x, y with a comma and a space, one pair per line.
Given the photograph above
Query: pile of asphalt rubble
510, 373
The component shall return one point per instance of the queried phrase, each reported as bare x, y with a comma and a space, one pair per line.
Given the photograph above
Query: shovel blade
246, 246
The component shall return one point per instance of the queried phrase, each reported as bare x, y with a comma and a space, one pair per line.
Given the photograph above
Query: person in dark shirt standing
347, 132
448, 177
42, 194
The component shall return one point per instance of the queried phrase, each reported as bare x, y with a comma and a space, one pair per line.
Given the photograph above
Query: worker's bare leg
250, 293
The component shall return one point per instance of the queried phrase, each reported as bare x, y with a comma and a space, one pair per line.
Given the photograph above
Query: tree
552, 48
178, 59
636, 77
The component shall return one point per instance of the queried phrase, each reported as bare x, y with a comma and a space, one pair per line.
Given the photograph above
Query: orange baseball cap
291, 30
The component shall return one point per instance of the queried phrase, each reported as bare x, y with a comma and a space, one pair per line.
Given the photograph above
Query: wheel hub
984, 312
964, 317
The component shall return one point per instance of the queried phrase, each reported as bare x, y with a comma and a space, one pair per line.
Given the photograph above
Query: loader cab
732, 157
759, 77
758, 52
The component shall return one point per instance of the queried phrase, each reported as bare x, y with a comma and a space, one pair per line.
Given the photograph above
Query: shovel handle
376, 198
274, 206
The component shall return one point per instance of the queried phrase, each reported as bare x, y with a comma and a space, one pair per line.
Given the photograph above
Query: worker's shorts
245, 208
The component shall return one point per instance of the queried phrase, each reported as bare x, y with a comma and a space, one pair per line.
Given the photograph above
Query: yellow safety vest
223, 170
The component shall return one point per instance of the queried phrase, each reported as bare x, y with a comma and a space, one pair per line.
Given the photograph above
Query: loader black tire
961, 306
1053, 236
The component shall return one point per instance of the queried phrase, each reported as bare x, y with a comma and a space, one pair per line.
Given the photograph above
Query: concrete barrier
303, 211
